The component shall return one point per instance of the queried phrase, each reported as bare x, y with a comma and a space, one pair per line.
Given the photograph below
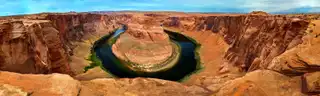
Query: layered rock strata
253, 40
64, 85
32, 46
145, 45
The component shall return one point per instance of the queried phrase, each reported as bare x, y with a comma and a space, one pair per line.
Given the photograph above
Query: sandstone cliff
46, 46
32, 46
143, 45
253, 40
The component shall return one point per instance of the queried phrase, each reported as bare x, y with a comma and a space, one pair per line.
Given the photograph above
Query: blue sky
13, 7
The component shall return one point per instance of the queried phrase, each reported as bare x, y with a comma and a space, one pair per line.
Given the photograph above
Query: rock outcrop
302, 58
14, 84
258, 13
262, 83
49, 43
139, 87
256, 83
8, 90
253, 40
311, 83
80, 31
143, 44
42, 85
31, 46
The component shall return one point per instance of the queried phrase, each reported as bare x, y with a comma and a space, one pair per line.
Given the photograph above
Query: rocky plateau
256, 54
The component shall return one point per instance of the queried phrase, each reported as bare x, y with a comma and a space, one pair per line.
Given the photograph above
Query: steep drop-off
32, 46
253, 40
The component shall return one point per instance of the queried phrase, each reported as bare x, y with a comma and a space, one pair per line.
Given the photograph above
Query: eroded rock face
31, 47
254, 40
139, 87
42, 85
303, 58
79, 31
311, 83
64, 85
52, 43
262, 83
258, 13
8, 90
143, 44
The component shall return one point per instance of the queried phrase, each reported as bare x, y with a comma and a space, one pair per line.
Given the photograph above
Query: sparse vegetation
199, 66
95, 61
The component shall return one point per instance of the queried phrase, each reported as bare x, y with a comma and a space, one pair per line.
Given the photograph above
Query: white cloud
36, 6
311, 3
278, 5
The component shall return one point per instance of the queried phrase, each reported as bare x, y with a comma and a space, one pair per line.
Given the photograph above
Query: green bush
95, 61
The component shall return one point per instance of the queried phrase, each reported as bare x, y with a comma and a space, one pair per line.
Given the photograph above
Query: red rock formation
258, 13
78, 27
311, 83
251, 38
262, 83
143, 44
146, 45
31, 47
64, 85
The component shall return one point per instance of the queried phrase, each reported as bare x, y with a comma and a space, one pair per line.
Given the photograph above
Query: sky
14, 7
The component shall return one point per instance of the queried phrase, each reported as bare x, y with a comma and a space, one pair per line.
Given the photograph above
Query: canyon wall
45, 43
32, 46
79, 27
253, 40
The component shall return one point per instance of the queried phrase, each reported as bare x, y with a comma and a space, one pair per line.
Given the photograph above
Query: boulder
9, 90
262, 83
42, 85
301, 59
297, 61
15, 84
311, 83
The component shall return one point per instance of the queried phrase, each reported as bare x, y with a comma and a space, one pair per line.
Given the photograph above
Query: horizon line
282, 13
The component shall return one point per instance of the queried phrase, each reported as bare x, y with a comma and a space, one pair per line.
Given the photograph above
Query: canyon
256, 54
